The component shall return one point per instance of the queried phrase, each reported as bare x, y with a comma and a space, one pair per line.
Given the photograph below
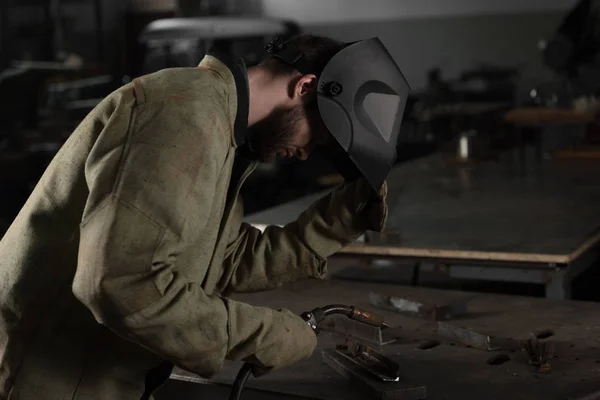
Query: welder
121, 262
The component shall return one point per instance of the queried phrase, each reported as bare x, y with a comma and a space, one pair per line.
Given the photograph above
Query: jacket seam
224, 80
139, 92
126, 146
98, 208
216, 71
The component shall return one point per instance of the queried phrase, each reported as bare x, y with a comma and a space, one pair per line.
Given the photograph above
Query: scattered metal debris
415, 307
498, 359
539, 352
544, 334
428, 345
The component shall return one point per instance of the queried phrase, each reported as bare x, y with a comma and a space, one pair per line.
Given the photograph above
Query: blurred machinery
574, 51
464, 115
182, 42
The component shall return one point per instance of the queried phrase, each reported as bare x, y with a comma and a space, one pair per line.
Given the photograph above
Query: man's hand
341, 217
373, 206
377, 209
298, 343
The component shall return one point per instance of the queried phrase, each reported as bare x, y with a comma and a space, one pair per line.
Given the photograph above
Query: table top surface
486, 211
449, 370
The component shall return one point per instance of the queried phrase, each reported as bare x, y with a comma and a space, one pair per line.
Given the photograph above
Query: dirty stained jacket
130, 243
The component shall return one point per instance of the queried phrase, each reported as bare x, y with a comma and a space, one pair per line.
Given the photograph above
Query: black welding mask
361, 98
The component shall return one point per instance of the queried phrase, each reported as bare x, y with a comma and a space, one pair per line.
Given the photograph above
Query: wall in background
452, 43
332, 11
451, 34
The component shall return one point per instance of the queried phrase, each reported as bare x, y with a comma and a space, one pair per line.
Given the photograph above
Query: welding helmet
361, 96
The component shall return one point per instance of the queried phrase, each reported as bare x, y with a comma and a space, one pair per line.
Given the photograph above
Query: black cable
337, 309
240, 381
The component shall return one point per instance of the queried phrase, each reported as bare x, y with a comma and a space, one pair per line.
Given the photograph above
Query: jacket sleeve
264, 260
128, 272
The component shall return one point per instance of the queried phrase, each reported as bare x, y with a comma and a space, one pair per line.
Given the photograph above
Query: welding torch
313, 318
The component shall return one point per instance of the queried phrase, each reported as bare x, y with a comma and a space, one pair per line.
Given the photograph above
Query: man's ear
306, 85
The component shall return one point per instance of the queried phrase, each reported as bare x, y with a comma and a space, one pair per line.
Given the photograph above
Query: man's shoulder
187, 100
187, 86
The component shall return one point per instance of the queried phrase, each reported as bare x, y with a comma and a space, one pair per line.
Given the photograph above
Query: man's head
283, 102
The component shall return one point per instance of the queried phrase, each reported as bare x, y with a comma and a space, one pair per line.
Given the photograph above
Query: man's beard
276, 132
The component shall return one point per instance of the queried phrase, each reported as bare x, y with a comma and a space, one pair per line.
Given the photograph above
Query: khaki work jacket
127, 249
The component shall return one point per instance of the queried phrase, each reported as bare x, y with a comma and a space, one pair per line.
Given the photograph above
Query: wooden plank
587, 245
575, 154
394, 251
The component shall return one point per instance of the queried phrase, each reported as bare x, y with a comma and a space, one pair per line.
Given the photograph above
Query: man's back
41, 322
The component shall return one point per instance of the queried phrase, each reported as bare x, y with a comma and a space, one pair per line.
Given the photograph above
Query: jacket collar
240, 75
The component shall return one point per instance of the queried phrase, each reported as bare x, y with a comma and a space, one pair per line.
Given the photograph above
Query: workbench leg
522, 151
559, 286
539, 146
415, 274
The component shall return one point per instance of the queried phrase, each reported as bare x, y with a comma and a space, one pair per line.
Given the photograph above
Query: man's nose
302, 154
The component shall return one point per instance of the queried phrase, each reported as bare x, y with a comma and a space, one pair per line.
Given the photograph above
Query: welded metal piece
351, 328
370, 386
467, 337
415, 307
370, 360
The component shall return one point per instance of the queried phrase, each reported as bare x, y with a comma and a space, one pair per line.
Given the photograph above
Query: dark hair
316, 53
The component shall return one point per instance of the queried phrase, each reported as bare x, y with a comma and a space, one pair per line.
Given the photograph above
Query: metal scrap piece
538, 352
498, 359
424, 310
468, 337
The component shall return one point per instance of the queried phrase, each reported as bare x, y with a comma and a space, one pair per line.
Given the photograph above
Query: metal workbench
489, 221
450, 370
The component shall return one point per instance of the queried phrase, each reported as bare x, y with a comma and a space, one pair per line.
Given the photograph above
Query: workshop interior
484, 283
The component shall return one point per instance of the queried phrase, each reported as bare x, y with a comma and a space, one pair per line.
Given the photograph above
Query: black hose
337, 309
240, 381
